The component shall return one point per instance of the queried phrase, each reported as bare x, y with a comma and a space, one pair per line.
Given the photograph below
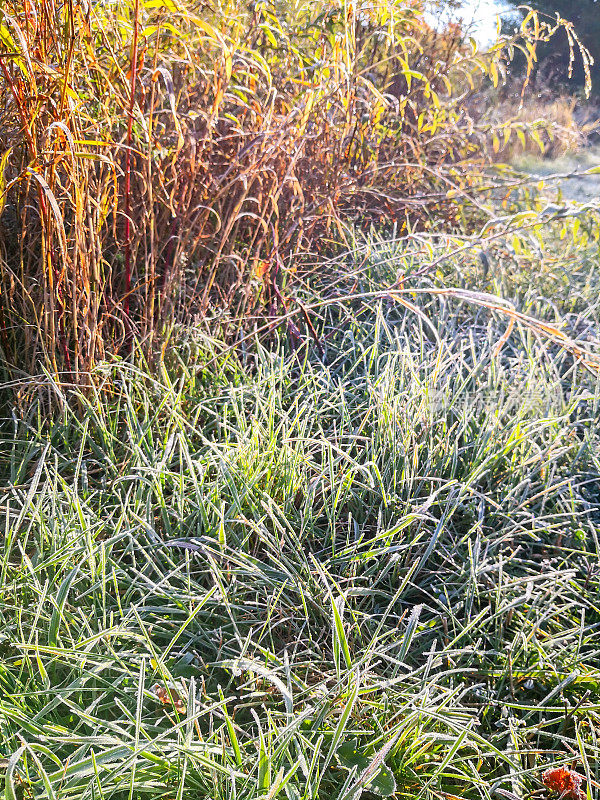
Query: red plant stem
134, 66
42, 200
19, 104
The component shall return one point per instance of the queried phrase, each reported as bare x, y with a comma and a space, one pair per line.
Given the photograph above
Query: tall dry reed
161, 158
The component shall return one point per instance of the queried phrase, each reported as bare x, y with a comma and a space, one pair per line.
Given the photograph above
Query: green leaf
384, 783
339, 631
349, 755
61, 599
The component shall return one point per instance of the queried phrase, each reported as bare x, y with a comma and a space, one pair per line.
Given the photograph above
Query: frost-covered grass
278, 576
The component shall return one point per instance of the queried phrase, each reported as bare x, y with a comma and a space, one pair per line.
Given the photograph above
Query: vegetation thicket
161, 159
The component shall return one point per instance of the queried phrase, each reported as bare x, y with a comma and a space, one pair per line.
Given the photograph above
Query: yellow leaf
211, 32
494, 73
310, 96
161, 4
6, 38
228, 64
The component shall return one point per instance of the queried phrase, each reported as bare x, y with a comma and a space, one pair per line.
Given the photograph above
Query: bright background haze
480, 17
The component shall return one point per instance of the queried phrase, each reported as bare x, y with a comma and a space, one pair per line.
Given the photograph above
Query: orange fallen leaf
169, 696
564, 781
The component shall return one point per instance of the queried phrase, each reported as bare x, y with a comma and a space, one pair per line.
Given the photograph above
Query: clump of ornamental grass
162, 161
